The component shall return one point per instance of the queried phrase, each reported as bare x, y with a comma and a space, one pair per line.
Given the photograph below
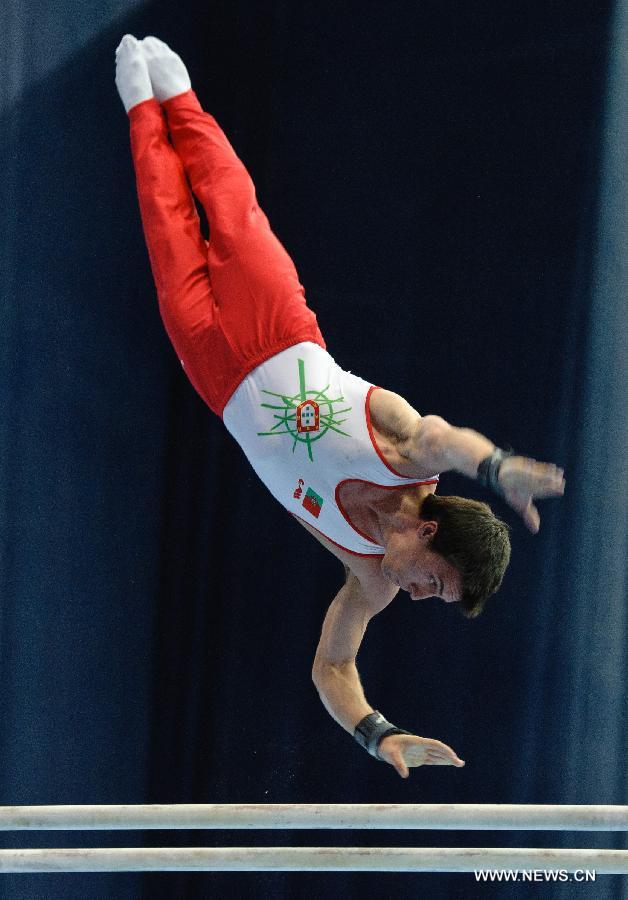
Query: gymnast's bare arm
337, 680
429, 444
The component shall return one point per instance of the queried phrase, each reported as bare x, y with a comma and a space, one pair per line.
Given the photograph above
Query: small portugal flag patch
312, 502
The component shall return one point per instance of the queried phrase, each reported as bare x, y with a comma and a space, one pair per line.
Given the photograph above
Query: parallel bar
436, 816
312, 859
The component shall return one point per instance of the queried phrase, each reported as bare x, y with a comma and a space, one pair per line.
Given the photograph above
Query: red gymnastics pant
230, 303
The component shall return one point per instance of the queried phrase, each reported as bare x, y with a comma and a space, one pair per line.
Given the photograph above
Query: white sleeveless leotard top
305, 427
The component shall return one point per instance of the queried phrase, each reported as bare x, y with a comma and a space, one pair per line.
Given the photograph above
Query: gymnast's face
414, 567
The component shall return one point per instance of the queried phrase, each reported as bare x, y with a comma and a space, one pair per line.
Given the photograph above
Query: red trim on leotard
336, 544
344, 513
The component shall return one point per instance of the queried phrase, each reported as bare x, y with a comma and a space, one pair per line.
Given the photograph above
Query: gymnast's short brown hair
474, 541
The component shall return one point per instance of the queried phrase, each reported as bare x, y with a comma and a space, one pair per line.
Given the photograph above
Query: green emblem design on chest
306, 416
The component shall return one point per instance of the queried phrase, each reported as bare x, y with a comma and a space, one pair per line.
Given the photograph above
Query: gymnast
354, 464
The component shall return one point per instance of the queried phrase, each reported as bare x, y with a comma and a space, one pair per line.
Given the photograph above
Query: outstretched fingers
408, 751
443, 757
439, 750
430, 753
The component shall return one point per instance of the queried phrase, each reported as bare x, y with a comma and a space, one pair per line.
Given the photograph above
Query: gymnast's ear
427, 528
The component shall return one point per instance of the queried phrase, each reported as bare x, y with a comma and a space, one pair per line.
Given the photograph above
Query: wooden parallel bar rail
438, 816
313, 859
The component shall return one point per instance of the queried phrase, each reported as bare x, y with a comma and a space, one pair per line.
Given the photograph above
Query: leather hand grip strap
372, 729
488, 470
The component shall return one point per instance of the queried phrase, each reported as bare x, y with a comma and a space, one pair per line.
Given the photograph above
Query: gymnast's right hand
523, 480
406, 751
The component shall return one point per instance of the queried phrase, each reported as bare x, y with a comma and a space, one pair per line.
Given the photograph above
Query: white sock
132, 78
168, 74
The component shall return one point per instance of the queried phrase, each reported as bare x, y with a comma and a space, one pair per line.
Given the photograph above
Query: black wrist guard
372, 729
488, 470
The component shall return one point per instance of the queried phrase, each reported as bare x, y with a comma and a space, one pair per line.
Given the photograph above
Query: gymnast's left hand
406, 751
524, 480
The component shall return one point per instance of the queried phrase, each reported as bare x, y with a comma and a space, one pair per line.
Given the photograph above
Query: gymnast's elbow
320, 670
326, 674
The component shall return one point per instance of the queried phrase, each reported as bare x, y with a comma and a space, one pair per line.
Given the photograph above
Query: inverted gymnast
353, 463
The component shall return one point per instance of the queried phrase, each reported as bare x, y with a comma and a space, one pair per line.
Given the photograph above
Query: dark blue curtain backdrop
449, 179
